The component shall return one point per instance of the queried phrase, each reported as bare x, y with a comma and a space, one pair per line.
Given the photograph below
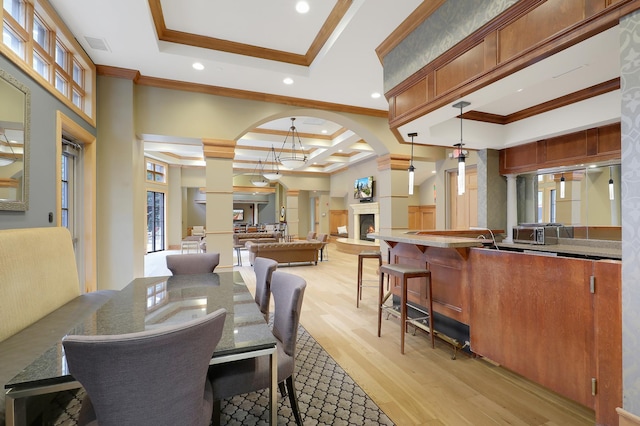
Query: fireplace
361, 213
367, 226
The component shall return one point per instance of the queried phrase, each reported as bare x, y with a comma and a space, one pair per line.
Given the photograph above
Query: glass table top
153, 302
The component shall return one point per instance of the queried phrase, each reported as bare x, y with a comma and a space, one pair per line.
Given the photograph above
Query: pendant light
411, 169
7, 154
294, 157
562, 186
611, 194
258, 179
460, 152
274, 172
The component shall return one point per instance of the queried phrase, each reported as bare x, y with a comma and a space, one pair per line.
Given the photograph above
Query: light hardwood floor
424, 386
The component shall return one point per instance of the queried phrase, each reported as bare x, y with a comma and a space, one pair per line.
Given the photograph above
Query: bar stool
404, 273
365, 254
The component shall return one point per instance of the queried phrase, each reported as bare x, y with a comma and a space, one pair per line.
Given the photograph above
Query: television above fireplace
363, 189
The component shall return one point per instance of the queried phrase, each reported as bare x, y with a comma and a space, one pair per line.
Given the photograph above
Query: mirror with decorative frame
15, 107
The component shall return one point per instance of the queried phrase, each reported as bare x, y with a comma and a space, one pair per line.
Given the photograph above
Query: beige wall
126, 110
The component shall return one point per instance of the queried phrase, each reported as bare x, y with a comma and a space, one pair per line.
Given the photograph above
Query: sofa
40, 300
241, 238
285, 252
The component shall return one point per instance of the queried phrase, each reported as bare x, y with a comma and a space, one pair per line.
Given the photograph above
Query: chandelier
7, 154
294, 157
273, 173
257, 179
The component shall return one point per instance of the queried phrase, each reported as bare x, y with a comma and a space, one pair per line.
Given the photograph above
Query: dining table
153, 302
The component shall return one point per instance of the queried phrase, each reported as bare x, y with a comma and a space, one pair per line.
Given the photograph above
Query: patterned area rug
326, 395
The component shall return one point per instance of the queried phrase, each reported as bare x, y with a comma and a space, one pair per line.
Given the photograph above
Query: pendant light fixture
411, 169
460, 152
611, 193
273, 173
7, 154
258, 179
294, 157
562, 186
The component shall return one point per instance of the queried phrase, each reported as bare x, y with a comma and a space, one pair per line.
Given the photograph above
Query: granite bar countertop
600, 249
442, 241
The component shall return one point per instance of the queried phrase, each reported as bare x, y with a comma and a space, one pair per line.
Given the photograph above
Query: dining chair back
263, 268
155, 377
198, 231
252, 375
192, 263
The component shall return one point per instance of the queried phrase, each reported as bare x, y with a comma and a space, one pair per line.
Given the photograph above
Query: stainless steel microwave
531, 234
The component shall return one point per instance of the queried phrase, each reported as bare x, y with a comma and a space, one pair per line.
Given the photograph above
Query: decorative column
491, 191
630, 206
512, 207
219, 194
392, 189
530, 198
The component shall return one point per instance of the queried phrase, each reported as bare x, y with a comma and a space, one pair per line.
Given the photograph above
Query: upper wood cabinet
527, 32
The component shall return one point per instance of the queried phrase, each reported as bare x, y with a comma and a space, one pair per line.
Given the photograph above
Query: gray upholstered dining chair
195, 263
263, 267
250, 375
154, 377
324, 251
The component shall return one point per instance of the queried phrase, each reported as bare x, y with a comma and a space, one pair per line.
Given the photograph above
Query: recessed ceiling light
302, 7
433, 172
288, 80
198, 66
324, 131
519, 90
375, 95
339, 150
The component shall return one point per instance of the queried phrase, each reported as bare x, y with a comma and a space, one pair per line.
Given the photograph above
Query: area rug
326, 395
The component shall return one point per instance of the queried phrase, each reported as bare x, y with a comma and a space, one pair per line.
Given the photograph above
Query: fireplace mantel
364, 208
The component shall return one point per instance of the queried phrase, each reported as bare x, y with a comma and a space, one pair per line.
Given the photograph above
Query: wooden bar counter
555, 320
446, 257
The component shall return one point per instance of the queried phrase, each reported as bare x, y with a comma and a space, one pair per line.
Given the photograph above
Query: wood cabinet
537, 315
337, 218
554, 320
422, 217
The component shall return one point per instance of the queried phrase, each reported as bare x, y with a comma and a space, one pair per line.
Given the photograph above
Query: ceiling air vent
97, 43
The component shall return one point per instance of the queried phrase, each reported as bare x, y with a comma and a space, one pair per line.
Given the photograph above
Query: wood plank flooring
424, 386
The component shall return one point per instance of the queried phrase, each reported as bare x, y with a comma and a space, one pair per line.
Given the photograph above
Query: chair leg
294, 400
216, 414
283, 389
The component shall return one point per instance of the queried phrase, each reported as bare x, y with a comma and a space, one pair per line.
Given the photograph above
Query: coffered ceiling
329, 53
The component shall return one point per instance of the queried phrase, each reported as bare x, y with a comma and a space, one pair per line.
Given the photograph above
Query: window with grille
30, 33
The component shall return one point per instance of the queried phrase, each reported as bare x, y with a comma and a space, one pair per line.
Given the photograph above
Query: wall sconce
411, 169
611, 193
461, 156
562, 186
